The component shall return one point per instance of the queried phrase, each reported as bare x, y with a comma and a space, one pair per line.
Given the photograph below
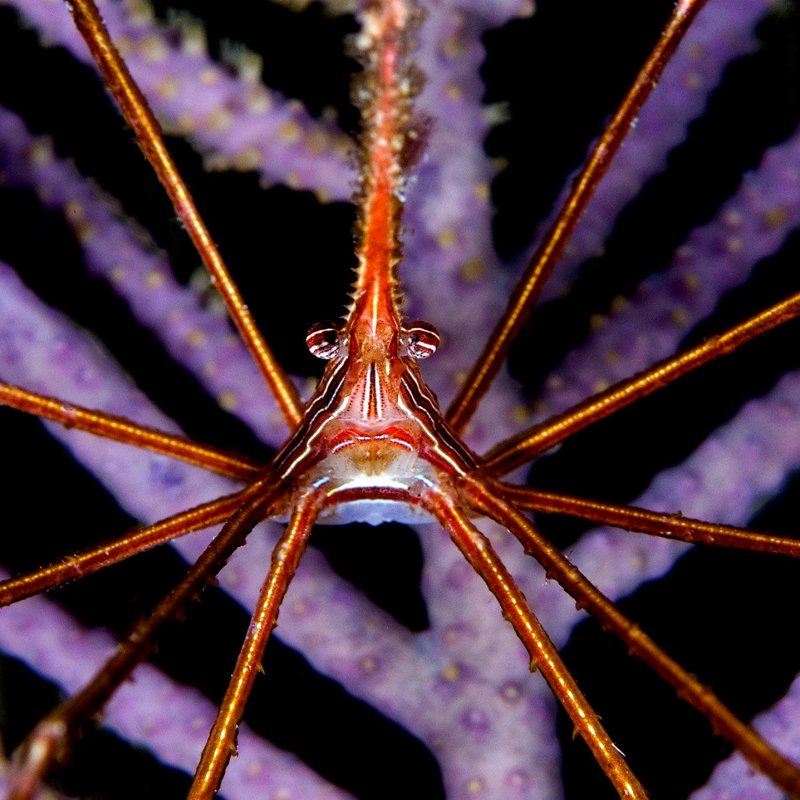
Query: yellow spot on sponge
153, 49
446, 238
228, 400
155, 279
197, 338
473, 270
452, 672
776, 217
290, 132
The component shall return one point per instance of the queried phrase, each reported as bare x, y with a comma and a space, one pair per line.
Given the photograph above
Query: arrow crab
447, 669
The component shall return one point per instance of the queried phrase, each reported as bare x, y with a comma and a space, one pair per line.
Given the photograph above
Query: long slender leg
52, 735
529, 443
544, 655
530, 285
104, 555
110, 426
762, 755
138, 115
285, 558
640, 520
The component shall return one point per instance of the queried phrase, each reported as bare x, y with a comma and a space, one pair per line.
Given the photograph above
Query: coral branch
750, 226
151, 710
239, 122
721, 33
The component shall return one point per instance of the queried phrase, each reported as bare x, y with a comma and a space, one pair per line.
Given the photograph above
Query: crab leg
529, 443
544, 260
119, 429
641, 520
105, 554
285, 558
544, 656
138, 115
52, 735
761, 754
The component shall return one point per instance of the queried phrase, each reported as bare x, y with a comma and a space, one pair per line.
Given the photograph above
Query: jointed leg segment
783, 772
544, 656
52, 736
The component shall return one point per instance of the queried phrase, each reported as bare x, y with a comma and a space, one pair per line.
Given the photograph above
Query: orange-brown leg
762, 755
104, 555
530, 285
119, 429
529, 443
221, 741
52, 735
138, 115
640, 520
477, 550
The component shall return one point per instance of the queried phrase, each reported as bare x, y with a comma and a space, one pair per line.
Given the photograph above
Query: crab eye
421, 339
322, 340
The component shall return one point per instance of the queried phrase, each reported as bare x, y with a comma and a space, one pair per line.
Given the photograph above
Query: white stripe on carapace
300, 446
420, 405
361, 410
374, 393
